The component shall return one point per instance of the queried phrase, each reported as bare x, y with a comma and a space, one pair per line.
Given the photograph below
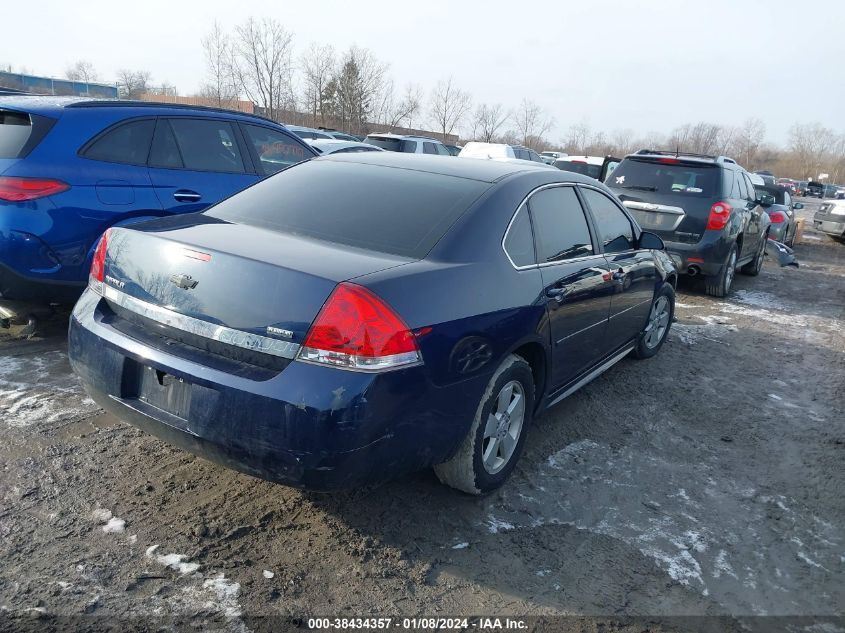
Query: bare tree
133, 83
318, 66
700, 138
487, 121
532, 123
220, 85
165, 89
810, 142
449, 105
393, 109
577, 138
262, 64
81, 70
746, 141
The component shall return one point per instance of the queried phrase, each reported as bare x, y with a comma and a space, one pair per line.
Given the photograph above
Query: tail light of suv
26, 189
357, 330
777, 217
720, 213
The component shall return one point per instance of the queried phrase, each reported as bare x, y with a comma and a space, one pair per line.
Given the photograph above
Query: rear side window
207, 145
126, 143
390, 144
429, 148
519, 242
561, 230
593, 171
612, 224
15, 130
275, 150
165, 152
409, 147
411, 212
673, 178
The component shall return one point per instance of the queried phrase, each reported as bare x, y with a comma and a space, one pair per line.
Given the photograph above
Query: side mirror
766, 200
798, 205
652, 242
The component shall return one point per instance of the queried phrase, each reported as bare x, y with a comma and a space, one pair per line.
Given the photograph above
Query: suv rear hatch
671, 197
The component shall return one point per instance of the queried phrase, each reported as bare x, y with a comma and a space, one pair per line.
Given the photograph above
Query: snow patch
114, 526
463, 545
267, 574
227, 593
495, 525
101, 515
172, 561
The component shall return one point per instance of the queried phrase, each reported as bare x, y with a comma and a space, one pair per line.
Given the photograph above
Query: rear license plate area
653, 220
163, 391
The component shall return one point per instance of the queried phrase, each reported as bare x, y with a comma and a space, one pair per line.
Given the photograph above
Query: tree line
352, 89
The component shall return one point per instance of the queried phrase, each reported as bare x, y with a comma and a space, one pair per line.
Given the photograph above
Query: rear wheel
659, 321
754, 267
494, 443
719, 285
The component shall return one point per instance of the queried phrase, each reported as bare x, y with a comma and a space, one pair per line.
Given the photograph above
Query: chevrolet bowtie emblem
185, 282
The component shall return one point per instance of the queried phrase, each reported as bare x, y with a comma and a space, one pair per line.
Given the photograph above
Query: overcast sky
646, 65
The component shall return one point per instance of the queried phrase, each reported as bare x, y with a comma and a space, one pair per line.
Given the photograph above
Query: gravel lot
707, 481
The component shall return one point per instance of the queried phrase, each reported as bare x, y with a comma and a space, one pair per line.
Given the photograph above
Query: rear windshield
15, 129
593, 171
385, 209
689, 181
392, 144
777, 192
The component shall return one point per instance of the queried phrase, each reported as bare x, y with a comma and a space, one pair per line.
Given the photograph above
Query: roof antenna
677, 150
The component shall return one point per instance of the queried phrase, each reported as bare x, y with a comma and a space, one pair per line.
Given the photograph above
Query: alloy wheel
658, 322
503, 427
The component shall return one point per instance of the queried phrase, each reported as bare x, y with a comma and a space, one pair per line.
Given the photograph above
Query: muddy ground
706, 481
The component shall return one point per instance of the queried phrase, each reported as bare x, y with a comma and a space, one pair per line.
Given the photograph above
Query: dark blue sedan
359, 316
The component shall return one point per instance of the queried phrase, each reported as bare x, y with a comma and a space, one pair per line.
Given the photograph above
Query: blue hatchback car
70, 168
361, 315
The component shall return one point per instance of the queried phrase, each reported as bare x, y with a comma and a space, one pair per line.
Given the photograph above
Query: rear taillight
720, 213
777, 217
25, 189
357, 330
98, 264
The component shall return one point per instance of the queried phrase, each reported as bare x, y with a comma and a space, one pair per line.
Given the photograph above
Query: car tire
719, 285
510, 389
657, 326
754, 267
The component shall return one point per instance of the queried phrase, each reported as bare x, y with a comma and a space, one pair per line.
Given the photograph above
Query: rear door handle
184, 195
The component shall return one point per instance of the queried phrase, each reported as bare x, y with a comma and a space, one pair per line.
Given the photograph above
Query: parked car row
360, 309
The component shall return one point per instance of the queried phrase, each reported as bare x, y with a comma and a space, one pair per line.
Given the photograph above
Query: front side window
429, 148
442, 149
752, 194
519, 243
612, 224
208, 145
127, 143
561, 230
275, 150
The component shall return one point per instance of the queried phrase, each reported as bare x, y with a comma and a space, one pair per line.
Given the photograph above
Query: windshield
593, 171
391, 144
683, 179
411, 212
776, 192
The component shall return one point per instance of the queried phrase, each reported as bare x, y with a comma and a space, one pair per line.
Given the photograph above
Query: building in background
51, 86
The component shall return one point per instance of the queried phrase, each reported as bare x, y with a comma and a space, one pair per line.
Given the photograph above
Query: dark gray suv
704, 207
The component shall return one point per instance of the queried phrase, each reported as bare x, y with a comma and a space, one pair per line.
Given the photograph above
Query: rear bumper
309, 426
830, 224
707, 256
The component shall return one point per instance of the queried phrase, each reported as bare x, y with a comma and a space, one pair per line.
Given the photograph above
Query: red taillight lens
777, 217
720, 213
25, 189
98, 264
357, 330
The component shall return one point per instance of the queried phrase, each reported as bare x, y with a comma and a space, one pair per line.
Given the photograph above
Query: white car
407, 144
499, 151
549, 157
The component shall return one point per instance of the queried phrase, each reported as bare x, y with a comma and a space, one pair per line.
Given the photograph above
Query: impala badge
185, 282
